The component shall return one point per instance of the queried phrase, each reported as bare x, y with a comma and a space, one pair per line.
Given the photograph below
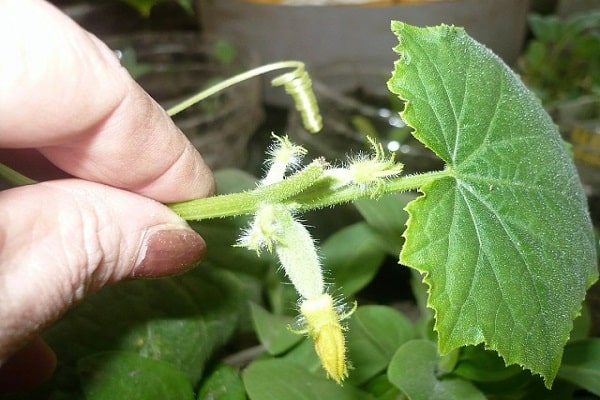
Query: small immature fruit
276, 229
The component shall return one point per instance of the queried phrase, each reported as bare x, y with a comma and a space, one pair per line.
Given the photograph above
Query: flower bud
323, 326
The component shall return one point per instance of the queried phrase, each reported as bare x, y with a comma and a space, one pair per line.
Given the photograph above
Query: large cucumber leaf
504, 238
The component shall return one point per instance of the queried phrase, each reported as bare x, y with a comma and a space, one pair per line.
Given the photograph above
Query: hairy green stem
309, 195
306, 190
248, 202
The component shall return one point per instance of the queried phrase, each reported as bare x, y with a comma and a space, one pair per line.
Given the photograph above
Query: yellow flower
324, 327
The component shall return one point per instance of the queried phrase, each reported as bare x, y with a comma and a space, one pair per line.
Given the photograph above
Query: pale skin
68, 108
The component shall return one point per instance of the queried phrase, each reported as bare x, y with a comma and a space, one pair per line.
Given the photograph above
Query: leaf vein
447, 96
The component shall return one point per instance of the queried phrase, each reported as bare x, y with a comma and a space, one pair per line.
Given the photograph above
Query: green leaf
232, 180
122, 375
581, 365
382, 389
187, 5
480, 365
272, 330
304, 354
374, 334
225, 51
352, 258
130, 62
505, 239
387, 217
224, 383
413, 370
181, 320
279, 379
547, 29
582, 325
145, 6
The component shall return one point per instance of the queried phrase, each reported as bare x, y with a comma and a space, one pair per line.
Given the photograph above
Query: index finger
65, 94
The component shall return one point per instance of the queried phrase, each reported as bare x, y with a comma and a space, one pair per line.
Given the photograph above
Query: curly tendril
296, 83
299, 85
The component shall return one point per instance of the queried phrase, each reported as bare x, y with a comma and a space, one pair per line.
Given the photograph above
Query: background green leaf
381, 388
413, 370
145, 6
122, 375
224, 383
480, 365
581, 364
505, 239
304, 354
279, 379
351, 258
387, 217
181, 320
374, 333
272, 330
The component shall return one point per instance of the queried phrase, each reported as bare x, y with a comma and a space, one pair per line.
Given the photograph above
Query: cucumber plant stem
318, 194
13, 177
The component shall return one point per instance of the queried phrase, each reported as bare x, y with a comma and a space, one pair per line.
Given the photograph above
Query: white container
321, 35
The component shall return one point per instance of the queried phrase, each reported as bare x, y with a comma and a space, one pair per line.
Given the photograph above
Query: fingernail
167, 252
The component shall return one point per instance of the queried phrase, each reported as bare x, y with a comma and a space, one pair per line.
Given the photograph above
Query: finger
65, 93
63, 239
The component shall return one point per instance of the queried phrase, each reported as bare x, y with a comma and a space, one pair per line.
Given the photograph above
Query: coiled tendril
299, 85
296, 83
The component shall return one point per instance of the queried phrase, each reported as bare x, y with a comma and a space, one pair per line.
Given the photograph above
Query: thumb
61, 240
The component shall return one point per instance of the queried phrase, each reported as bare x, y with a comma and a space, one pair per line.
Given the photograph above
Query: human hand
65, 100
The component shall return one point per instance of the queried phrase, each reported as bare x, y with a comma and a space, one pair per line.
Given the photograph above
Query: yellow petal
323, 326
331, 348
